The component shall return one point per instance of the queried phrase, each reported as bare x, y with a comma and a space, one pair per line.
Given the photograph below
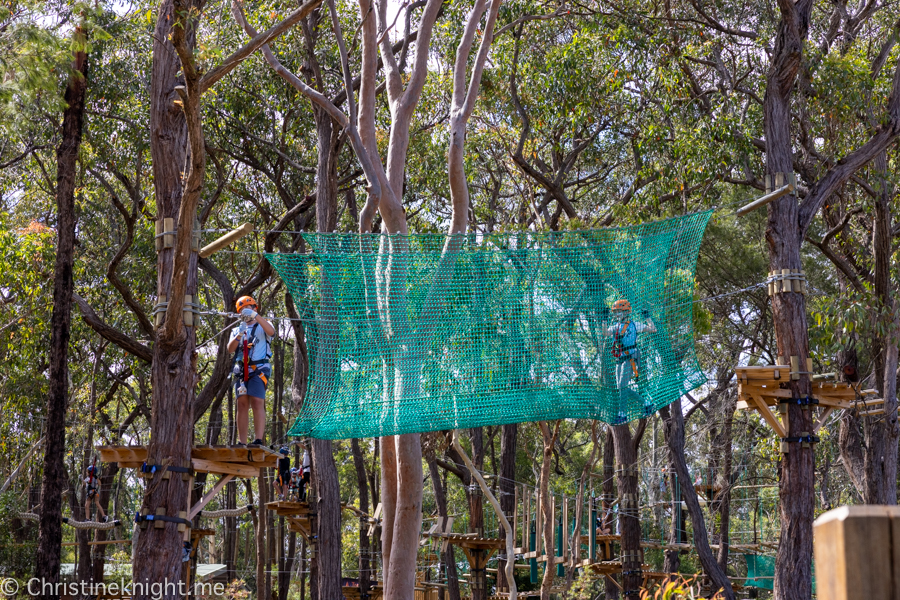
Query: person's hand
242, 327
249, 314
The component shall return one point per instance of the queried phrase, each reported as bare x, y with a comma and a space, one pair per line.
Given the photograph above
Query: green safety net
431, 332
761, 572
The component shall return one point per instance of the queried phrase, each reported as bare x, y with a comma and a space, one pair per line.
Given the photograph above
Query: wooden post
857, 551
225, 240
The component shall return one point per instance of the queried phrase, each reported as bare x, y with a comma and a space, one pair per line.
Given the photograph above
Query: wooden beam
763, 200
209, 496
825, 413
238, 470
768, 415
225, 240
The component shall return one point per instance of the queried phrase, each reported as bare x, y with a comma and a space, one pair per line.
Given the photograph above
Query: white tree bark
510, 534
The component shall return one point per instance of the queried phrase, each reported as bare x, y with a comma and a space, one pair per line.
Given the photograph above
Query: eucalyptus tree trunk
53, 482
672, 560
547, 521
474, 497
364, 548
787, 225
328, 493
440, 498
586, 473
262, 518
608, 493
177, 178
880, 457
626, 445
507, 486
107, 478
793, 577
674, 431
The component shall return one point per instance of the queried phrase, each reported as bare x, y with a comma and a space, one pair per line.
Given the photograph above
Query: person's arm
235, 338
649, 325
266, 326
251, 316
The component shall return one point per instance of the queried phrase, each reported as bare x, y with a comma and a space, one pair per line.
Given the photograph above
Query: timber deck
224, 460
762, 387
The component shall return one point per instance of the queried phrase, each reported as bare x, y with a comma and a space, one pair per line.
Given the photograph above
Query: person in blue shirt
251, 342
624, 332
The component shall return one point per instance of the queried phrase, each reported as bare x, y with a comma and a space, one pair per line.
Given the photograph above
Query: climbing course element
765, 386
431, 332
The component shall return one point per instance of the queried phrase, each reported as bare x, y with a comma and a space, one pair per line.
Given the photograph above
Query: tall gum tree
788, 222
179, 164
54, 477
401, 456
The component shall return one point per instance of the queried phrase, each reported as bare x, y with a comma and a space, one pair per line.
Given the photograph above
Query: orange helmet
622, 305
245, 301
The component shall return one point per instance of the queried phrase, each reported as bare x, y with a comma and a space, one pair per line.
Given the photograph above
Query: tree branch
111, 334
258, 41
113, 265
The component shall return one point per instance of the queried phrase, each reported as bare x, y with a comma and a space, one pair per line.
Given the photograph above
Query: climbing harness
619, 349
245, 367
91, 486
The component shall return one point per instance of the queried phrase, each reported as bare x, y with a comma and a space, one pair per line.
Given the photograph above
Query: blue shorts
259, 380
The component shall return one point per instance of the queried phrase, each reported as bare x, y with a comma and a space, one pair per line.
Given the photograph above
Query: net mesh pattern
430, 332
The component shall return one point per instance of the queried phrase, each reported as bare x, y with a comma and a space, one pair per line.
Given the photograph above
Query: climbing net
430, 332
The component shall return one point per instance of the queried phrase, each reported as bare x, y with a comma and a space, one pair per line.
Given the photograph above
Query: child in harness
91, 496
251, 343
625, 351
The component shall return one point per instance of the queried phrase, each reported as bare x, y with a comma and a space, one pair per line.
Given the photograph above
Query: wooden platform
298, 515
762, 387
224, 460
471, 541
285, 508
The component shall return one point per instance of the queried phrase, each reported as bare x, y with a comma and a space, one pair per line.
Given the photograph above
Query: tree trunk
173, 372
723, 406
672, 561
53, 482
107, 478
547, 520
328, 520
303, 570
262, 592
609, 521
401, 574
230, 532
880, 462
83, 571
674, 431
793, 576
440, 498
328, 493
475, 502
364, 549
629, 512
507, 486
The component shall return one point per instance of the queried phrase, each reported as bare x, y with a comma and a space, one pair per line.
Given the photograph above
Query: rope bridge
431, 332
